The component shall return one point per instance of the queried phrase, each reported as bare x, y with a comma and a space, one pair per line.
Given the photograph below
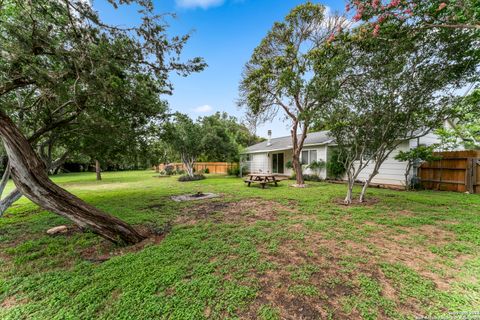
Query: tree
224, 138
465, 126
351, 129
414, 157
185, 137
404, 84
439, 14
281, 74
60, 56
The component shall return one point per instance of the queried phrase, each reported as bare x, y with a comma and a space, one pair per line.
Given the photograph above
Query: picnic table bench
264, 179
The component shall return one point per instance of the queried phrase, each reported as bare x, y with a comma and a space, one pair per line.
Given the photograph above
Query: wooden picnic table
263, 179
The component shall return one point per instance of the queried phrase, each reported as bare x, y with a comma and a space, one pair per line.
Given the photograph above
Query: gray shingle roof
284, 143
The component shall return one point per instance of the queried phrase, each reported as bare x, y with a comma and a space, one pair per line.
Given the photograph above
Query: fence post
470, 175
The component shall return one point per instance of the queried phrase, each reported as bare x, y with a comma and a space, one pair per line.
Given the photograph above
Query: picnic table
264, 179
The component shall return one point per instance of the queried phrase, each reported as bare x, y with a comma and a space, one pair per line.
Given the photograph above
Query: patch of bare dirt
243, 211
335, 281
398, 248
10, 302
277, 286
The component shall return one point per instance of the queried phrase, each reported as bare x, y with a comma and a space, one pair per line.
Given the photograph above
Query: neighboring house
272, 155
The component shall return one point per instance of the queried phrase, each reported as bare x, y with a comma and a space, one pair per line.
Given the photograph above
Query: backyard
278, 253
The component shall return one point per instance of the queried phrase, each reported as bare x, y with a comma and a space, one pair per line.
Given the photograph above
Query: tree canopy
62, 68
281, 75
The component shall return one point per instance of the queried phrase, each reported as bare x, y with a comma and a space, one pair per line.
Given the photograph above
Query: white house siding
262, 162
321, 155
258, 163
392, 172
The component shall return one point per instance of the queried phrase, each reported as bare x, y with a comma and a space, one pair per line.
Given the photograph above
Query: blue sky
225, 32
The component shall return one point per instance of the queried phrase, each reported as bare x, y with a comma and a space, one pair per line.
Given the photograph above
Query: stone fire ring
193, 197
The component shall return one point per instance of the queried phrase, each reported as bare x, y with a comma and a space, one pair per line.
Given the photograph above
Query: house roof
285, 143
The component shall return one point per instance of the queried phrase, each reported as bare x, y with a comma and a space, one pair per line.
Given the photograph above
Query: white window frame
309, 156
302, 157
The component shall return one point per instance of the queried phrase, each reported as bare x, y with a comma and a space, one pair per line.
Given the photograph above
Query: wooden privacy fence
456, 171
213, 167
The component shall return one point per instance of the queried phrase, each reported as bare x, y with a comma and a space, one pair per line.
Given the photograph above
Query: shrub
187, 178
169, 170
235, 171
289, 165
206, 171
180, 172
308, 177
312, 177
335, 166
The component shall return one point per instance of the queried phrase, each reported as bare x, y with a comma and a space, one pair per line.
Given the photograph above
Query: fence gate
456, 171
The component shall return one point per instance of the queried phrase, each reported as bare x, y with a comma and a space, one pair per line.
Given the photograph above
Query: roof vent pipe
269, 141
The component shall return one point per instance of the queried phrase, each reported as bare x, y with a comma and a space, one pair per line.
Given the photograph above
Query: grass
259, 254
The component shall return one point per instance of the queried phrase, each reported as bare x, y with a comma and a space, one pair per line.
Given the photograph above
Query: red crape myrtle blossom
427, 13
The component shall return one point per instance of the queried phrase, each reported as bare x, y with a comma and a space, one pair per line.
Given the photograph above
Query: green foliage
336, 164
466, 125
308, 177
86, 87
418, 154
184, 136
316, 166
289, 164
224, 137
187, 178
289, 73
267, 312
169, 170
211, 268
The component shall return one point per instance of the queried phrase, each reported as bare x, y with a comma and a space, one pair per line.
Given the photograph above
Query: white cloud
203, 109
204, 4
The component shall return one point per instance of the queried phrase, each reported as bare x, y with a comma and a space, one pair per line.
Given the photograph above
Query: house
272, 155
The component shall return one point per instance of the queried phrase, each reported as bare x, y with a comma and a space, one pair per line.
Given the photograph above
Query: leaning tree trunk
365, 186
7, 202
12, 197
29, 175
98, 170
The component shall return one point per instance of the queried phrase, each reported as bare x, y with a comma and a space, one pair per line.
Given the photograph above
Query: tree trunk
98, 170
188, 162
297, 149
30, 176
350, 183
297, 168
366, 185
7, 202
407, 174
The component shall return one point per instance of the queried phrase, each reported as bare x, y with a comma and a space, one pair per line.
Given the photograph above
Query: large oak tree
68, 64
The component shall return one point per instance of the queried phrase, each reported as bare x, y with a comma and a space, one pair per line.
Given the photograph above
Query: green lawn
255, 254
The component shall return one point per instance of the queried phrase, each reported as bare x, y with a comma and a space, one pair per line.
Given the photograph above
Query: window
248, 157
313, 156
309, 156
305, 157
